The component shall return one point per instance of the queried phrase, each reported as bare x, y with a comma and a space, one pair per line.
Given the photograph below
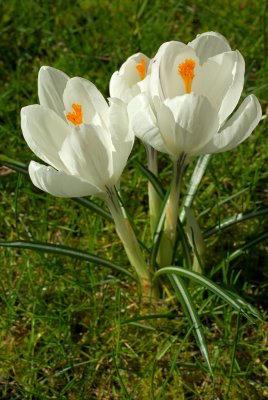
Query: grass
72, 330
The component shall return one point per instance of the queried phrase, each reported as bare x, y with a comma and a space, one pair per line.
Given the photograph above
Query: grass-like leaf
15, 165
158, 231
195, 180
85, 202
184, 297
235, 219
181, 237
152, 178
68, 251
232, 299
91, 205
250, 243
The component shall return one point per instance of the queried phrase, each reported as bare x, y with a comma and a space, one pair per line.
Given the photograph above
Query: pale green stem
170, 229
154, 198
196, 265
131, 245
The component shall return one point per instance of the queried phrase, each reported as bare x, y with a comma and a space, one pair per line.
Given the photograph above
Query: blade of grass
252, 242
148, 317
223, 201
233, 357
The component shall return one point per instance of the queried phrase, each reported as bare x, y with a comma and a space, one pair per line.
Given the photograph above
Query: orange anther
186, 71
141, 68
75, 117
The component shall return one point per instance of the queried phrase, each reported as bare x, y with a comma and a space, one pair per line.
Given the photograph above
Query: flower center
141, 68
75, 116
186, 71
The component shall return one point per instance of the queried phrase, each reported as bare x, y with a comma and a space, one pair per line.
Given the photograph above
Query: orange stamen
141, 68
186, 71
75, 117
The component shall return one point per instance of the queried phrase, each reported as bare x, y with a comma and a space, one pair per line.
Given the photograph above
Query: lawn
74, 329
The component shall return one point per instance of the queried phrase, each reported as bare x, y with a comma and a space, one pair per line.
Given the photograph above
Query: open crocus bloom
85, 142
131, 79
193, 90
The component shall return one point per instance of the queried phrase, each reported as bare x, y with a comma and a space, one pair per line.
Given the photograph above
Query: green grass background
63, 323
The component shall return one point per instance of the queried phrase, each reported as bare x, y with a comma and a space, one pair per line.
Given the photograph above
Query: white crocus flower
85, 142
193, 90
131, 79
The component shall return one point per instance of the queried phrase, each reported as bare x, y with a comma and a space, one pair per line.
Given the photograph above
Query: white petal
87, 153
196, 121
165, 81
221, 79
167, 125
143, 122
119, 88
44, 132
155, 87
234, 91
209, 44
118, 120
58, 183
124, 84
122, 136
129, 71
84, 92
238, 128
51, 85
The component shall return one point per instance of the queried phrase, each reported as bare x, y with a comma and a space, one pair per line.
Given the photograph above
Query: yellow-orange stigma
186, 71
76, 116
141, 68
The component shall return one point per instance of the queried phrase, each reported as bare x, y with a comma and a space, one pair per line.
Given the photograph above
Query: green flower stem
170, 229
154, 199
131, 245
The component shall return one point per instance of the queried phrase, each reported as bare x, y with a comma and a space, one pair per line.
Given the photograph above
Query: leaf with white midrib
231, 298
67, 251
185, 298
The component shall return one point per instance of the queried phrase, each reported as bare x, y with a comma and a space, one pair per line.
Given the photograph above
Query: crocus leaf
184, 297
84, 201
67, 251
158, 231
91, 205
234, 300
152, 178
15, 165
195, 180
181, 236
235, 219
